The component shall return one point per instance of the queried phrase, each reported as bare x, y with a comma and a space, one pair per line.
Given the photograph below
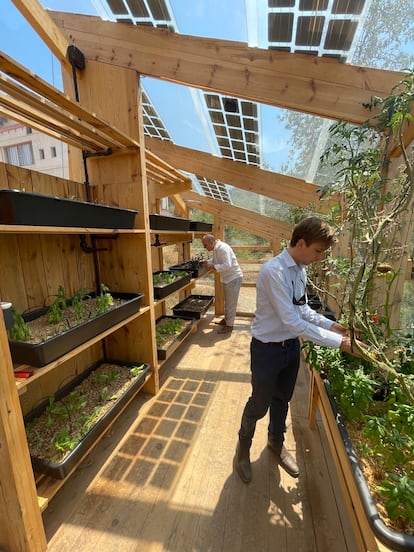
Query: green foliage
163, 278
386, 424
71, 417
64, 442
20, 330
136, 370
168, 328
56, 310
78, 303
399, 495
104, 300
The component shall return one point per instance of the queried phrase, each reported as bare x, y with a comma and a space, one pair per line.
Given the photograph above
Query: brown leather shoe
221, 323
285, 459
225, 329
242, 463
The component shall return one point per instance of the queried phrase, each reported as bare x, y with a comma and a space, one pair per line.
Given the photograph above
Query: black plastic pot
165, 353
40, 354
397, 542
62, 469
33, 209
193, 306
162, 290
194, 267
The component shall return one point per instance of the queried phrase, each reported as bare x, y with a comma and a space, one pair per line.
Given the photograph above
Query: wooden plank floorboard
162, 478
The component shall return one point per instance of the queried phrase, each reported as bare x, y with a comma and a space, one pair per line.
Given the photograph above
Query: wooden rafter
39, 105
244, 219
39, 19
288, 189
316, 85
60, 101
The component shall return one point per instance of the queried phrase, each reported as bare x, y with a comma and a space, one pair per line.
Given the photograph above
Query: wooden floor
162, 478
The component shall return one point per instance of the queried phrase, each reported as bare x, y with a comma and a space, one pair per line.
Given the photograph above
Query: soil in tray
42, 330
64, 423
195, 304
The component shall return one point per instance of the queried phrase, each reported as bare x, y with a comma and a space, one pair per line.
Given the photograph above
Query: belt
283, 343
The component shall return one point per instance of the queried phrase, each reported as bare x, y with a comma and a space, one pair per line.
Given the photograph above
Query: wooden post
21, 528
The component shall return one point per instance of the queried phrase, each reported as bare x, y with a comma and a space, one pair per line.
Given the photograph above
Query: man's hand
352, 347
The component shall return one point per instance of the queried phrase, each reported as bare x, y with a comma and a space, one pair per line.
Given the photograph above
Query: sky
178, 107
222, 19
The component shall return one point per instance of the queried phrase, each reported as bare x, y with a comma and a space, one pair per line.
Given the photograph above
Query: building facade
26, 147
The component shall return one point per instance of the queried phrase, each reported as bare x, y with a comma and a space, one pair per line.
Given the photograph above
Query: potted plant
166, 282
375, 203
170, 332
43, 335
63, 428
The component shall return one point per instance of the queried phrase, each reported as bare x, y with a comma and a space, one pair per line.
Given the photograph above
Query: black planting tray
40, 354
197, 270
164, 222
193, 306
198, 226
164, 354
33, 209
62, 469
162, 290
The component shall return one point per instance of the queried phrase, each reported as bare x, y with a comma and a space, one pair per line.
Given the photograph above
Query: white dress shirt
276, 317
225, 262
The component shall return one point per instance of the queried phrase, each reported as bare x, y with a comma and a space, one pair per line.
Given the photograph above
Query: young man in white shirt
282, 316
225, 263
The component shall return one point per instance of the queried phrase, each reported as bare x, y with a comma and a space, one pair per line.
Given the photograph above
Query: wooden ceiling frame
287, 189
35, 103
318, 86
247, 220
275, 78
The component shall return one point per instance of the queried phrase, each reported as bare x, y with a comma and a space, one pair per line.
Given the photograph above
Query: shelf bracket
88, 249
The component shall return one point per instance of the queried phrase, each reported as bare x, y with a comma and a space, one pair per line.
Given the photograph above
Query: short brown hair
313, 230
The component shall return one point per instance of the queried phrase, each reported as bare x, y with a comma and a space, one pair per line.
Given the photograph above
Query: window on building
29, 130
42, 153
53, 151
21, 154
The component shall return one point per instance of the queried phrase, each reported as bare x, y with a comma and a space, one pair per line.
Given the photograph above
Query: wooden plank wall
34, 265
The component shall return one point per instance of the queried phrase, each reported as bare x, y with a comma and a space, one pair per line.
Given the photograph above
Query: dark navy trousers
274, 369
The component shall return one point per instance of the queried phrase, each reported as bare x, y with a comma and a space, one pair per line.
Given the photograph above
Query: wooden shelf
23, 229
39, 372
47, 487
189, 286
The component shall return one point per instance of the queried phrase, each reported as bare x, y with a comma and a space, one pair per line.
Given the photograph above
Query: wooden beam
21, 528
316, 85
249, 221
167, 189
288, 189
44, 89
45, 27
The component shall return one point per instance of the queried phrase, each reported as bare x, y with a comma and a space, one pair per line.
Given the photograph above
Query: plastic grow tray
164, 222
33, 209
193, 306
40, 354
165, 353
198, 226
60, 470
162, 290
197, 270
